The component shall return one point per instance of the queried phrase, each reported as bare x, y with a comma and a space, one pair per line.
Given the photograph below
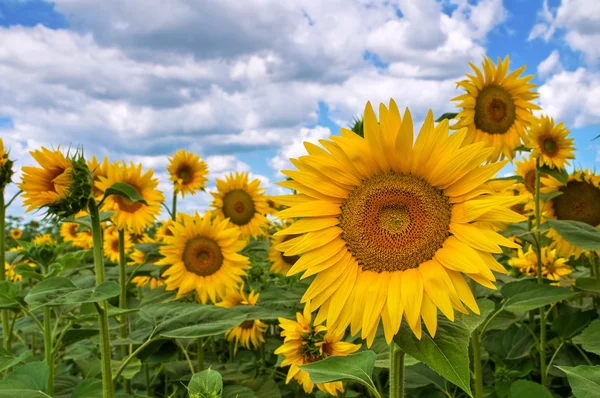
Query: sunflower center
73, 229
550, 147
185, 174
247, 324
238, 206
394, 222
115, 245
495, 110
202, 256
579, 202
127, 205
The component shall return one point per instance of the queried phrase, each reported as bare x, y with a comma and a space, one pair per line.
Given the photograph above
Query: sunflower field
456, 258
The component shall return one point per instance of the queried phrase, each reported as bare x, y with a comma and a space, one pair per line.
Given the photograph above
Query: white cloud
295, 148
550, 65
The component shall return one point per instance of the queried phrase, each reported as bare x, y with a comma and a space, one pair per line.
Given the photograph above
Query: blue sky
244, 83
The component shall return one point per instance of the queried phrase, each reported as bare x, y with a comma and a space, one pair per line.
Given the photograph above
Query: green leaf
207, 383
447, 115
89, 388
9, 362
527, 389
548, 196
577, 233
571, 321
8, 295
187, 320
126, 191
357, 367
420, 375
588, 285
473, 321
527, 295
513, 343
27, 381
75, 335
133, 367
237, 391
61, 291
584, 380
590, 337
560, 174
447, 353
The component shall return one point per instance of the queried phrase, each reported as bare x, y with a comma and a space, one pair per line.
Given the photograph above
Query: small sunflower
281, 263
553, 266
132, 215
390, 228
188, 172
44, 239
84, 240
526, 169
249, 333
16, 233
550, 143
243, 203
165, 229
110, 244
141, 281
203, 256
69, 231
62, 184
98, 170
305, 342
273, 205
579, 201
497, 107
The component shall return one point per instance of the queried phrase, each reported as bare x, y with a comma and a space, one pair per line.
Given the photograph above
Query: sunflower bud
6, 164
62, 185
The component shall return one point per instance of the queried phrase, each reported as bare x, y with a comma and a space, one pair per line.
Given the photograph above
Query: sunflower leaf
126, 191
590, 338
447, 353
27, 381
560, 174
577, 233
207, 383
584, 380
61, 291
447, 115
86, 221
527, 295
588, 285
8, 295
526, 388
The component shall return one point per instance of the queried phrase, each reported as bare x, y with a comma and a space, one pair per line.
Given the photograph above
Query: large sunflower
579, 201
249, 333
281, 263
203, 256
16, 233
497, 107
188, 172
305, 342
242, 202
550, 143
390, 227
84, 240
132, 215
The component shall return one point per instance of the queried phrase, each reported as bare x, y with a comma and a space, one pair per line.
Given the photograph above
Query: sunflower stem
476, 346
200, 350
123, 329
396, 371
540, 280
107, 387
5, 325
174, 206
49, 358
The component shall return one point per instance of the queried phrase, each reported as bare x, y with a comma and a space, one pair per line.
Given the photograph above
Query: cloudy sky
244, 83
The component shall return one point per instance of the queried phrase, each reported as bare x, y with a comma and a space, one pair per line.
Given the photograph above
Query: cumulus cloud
550, 65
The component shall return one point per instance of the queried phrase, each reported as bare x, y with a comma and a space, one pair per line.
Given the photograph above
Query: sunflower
496, 108
165, 229
306, 342
44, 239
16, 233
242, 203
281, 263
132, 215
389, 228
526, 170
141, 281
69, 231
203, 256
84, 240
6, 169
549, 143
3, 154
98, 170
578, 202
249, 333
110, 244
188, 172
553, 266
273, 205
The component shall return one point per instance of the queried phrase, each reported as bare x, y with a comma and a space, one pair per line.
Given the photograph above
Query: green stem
105, 357
48, 350
200, 354
123, 327
5, 324
538, 249
174, 207
396, 371
185, 354
476, 346
130, 358
554, 355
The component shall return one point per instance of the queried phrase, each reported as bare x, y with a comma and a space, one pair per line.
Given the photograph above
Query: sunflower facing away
390, 228
249, 333
242, 202
554, 267
188, 172
281, 263
579, 201
16, 233
305, 342
132, 215
550, 143
203, 256
497, 107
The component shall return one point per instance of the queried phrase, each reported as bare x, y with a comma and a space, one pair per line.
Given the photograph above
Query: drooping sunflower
44, 239
389, 228
549, 142
497, 107
305, 342
203, 256
188, 172
242, 202
579, 201
69, 231
62, 184
281, 263
110, 244
16, 233
132, 215
249, 333
554, 267
141, 281
526, 169
98, 170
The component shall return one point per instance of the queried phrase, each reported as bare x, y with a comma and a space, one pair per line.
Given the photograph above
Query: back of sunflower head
6, 164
